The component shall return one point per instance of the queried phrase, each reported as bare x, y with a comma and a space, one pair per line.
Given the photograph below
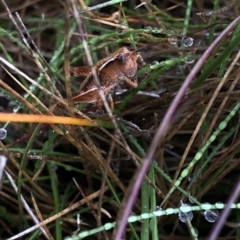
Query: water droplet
219, 205
191, 199
43, 16
67, 238
31, 152
158, 209
3, 161
155, 30
147, 29
2, 94
195, 233
78, 219
8, 97
190, 59
185, 216
172, 40
16, 108
3, 133
32, 87
170, 32
124, 23
160, 30
187, 41
12, 103
207, 206
190, 178
211, 215
54, 168
119, 31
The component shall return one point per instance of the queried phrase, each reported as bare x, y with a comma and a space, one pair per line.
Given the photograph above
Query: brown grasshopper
118, 66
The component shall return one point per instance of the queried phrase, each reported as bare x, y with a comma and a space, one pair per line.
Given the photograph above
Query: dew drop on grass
191, 199
8, 97
195, 232
3, 161
186, 216
170, 32
190, 178
67, 238
119, 31
2, 94
54, 168
157, 209
3, 133
148, 29
31, 152
211, 215
43, 16
172, 40
190, 59
32, 87
187, 41
219, 205
16, 108
124, 23
78, 219
155, 30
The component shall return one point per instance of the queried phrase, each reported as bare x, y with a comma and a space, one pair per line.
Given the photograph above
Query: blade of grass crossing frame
211, 67
199, 154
